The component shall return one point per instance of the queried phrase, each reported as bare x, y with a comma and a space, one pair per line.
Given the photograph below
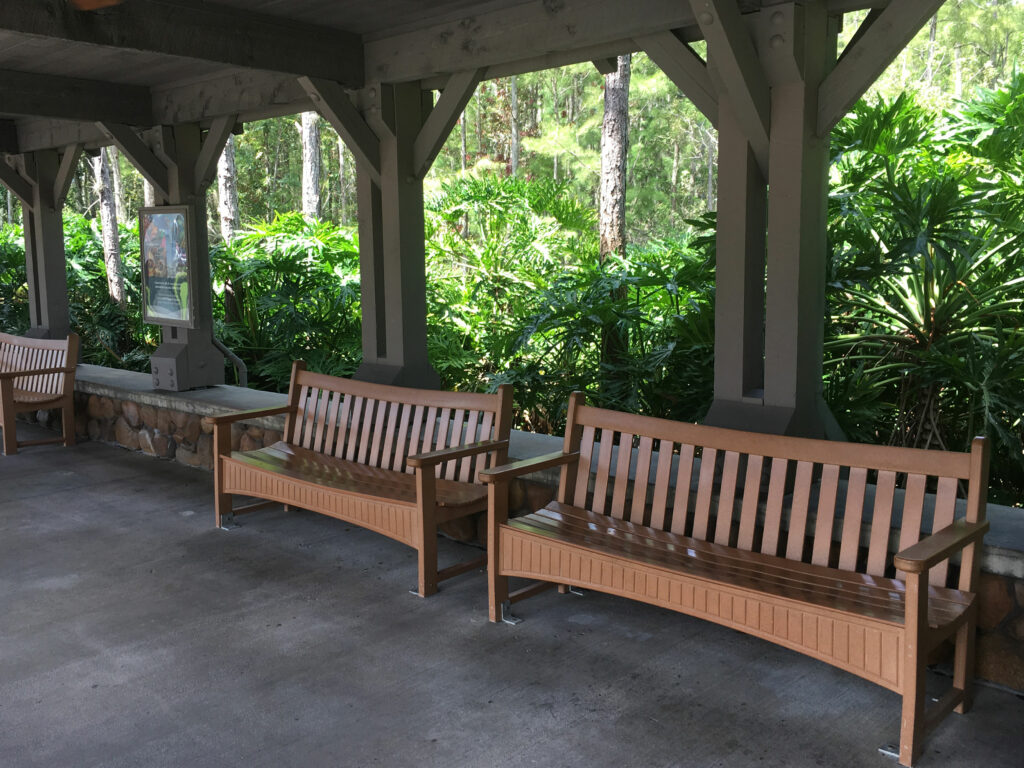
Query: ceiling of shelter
153, 62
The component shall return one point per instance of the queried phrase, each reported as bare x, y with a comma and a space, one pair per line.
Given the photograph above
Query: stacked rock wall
162, 432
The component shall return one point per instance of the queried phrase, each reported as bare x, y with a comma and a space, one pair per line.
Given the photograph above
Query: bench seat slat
309, 466
824, 587
35, 398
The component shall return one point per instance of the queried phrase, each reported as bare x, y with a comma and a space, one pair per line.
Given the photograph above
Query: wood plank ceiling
150, 62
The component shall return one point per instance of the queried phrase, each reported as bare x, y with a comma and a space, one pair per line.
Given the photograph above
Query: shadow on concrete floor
132, 633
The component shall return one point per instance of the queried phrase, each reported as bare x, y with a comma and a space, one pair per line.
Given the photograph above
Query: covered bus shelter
167, 81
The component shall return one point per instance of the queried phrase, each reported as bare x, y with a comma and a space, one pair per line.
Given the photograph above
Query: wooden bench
37, 375
394, 460
778, 537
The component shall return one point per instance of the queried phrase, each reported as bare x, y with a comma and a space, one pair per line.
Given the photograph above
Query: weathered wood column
395, 133
774, 87
41, 181
392, 266
181, 162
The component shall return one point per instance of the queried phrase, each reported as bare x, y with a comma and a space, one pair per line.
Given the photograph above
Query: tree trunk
513, 153
478, 97
614, 150
343, 183
612, 211
310, 164
148, 194
119, 196
929, 70
227, 191
108, 222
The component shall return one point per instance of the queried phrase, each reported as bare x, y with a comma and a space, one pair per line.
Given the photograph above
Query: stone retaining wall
161, 432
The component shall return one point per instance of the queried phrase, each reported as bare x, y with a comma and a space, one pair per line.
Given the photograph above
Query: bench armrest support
229, 418
516, 468
432, 458
933, 549
36, 372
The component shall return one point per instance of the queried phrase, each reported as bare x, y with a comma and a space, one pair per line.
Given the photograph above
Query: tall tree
310, 131
342, 182
148, 194
119, 192
513, 152
227, 191
612, 209
104, 188
614, 150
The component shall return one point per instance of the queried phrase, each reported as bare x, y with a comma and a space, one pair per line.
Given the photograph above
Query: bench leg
223, 508
221, 447
912, 722
10, 439
497, 585
963, 665
428, 562
67, 418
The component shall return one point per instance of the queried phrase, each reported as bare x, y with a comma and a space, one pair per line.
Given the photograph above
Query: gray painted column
739, 277
392, 254
187, 357
771, 269
797, 221
44, 249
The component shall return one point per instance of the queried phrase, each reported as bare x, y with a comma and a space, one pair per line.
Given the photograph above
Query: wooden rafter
197, 30
685, 68
442, 119
20, 187
139, 154
66, 173
213, 145
524, 32
72, 98
606, 66
735, 58
875, 46
9, 137
337, 108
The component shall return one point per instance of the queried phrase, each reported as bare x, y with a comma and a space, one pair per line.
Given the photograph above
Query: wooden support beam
209, 155
20, 187
139, 154
442, 119
524, 31
72, 98
66, 173
865, 25
337, 108
735, 58
607, 66
197, 30
876, 45
685, 68
9, 137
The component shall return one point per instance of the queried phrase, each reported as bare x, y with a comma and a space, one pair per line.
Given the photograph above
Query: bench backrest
381, 425
18, 353
806, 500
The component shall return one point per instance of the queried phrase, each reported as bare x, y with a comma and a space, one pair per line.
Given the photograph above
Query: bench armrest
933, 549
432, 458
35, 372
526, 466
259, 413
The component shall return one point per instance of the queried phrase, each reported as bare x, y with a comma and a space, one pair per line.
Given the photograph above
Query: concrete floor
132, 633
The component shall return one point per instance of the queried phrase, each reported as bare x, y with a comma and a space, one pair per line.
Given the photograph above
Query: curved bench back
845, 505
382, 426
18, 353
